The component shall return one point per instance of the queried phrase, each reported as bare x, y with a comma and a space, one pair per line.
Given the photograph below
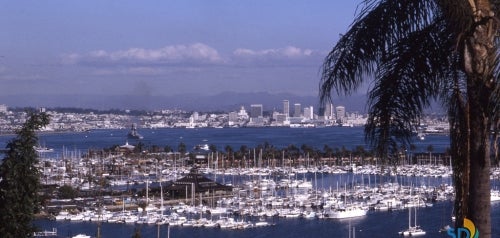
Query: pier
52, 233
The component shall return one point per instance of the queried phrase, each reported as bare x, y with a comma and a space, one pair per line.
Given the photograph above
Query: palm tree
229, 151
328, 152
417, 51
181, 148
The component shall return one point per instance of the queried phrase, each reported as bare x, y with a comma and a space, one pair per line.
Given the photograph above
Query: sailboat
42, 149
412, 230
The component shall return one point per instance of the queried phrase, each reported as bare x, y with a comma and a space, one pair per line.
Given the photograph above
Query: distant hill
226, 101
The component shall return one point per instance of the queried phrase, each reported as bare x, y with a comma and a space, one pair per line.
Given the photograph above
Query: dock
46, 233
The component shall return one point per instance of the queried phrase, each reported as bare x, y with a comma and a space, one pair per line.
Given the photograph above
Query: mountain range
225, 101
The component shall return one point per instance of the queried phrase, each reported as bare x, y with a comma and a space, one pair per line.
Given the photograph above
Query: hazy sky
167, 47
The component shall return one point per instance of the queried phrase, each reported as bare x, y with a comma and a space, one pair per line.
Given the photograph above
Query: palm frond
407, 80
495, 100
380, 24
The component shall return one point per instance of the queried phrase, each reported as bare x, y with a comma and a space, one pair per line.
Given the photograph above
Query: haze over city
89, 53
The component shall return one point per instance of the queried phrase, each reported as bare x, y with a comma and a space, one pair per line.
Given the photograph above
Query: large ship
133, 134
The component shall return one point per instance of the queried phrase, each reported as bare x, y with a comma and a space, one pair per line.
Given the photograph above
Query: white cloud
289, 56
289, 52
144, 71
175, 54
152, 62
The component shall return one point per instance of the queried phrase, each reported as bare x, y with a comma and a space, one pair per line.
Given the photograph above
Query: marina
266, 197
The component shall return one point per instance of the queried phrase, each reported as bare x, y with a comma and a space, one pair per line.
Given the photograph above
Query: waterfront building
196, 116
243, 113
236, 119
286, 108
3, 108
281, 119
275, 115
297, 110
233, 117
256, 122
340, 112
256, 110
328, 111
309, 112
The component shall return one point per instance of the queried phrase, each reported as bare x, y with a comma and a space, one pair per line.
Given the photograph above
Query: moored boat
133, 134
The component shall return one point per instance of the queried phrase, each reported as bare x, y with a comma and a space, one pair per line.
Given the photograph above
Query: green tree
242, 154
140, 147
20, 183
417, 51
181, 148
328, 152
168, 148
67, 192
212, 148
229, 152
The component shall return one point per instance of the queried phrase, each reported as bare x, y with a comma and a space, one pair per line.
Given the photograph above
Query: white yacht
347, 212
495, 195
81, 236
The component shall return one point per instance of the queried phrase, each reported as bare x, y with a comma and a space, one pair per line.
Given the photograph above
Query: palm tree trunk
479, 190
460, 152
479, 58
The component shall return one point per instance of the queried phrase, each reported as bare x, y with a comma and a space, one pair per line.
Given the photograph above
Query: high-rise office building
256, 110
309, 113
328, 113
286, 108
297, 110
340, 111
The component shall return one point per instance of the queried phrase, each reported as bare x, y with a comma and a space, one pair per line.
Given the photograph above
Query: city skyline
161, 48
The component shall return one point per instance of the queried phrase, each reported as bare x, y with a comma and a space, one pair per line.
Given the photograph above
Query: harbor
126, 192
303, 204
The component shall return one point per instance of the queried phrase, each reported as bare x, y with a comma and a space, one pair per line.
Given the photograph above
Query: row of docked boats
157, 218
262, 195
248, 204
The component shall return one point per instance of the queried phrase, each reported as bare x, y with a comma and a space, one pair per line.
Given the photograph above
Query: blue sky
167, 47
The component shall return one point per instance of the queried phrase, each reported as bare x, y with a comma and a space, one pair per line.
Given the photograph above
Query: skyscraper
309, 113
328, 111
340, 111
286, 108
297, 110
255, 110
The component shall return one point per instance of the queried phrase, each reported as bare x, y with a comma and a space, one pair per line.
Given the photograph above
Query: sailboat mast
409, 217
418, 204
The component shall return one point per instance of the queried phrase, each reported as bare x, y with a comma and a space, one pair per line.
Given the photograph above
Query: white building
309, 113
3, 108
340, 112
286, 108
328, 113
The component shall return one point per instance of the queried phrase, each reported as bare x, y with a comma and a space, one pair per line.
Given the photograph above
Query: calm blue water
280, 137
375, 224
